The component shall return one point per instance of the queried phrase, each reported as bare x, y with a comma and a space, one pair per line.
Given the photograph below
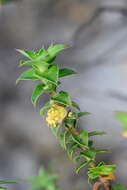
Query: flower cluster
56, 115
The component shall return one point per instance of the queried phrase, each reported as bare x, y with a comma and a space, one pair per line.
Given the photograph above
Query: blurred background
96, 30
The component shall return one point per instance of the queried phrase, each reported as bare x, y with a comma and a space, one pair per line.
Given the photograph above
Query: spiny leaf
27, 75
27, 53
26, 63
84, 137
66, 72
90, 154
102, 151
70, 122
74, 104
78, 140
70, 149
53, 50
93, 133
82, 165
80, 114
51, 74
37, 92
93, 173
62, 138
63, 98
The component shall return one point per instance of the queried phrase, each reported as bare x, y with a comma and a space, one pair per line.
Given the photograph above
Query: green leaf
74, 104
51, 74
93, 133
26, 63
122, 117
70, 122
80, 114
44, 109
90, 154
63, 98
53, 50
84, 137
27, 75
41, 66
27, 53
82, 165
102, 151
71, 148
93, 173
62, 138
37, 92
119, 187
79, 141
66, 72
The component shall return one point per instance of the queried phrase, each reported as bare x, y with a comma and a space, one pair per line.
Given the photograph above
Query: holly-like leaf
70, 122
80, 114
90, 154
44, 109
66, 72
82, 165
79, 141
27, 75
84, 137
122, 117
51, 74
93, 133
63, 98
53, 50
37, 92
27, 53
75, 105
26, 63
62, 138
71, 148
102, 151
93, 173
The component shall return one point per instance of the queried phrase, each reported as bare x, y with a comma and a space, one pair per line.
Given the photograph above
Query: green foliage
119, 187
62, 98
101, 169
38, 91
28, 75
76, 142
66, 72
45, 180
122, 117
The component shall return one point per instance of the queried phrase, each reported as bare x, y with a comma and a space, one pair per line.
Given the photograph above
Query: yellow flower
56, 115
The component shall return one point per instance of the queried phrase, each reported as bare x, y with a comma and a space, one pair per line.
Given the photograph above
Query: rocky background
97, 32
